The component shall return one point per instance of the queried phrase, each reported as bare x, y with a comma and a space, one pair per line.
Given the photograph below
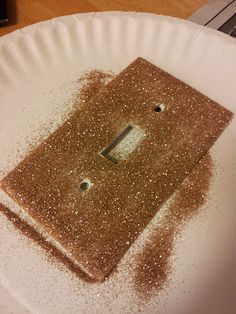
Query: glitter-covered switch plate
39, 71
98, 180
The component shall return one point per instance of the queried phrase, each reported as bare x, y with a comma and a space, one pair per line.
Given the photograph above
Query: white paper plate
38, 69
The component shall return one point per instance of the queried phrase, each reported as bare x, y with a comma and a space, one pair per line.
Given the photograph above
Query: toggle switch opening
124, 144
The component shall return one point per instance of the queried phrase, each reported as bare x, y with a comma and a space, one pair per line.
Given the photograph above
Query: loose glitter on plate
99, 225
153, 264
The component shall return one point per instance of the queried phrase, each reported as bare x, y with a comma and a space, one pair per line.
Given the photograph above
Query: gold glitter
53, 254
153, 263
96, 225
92, 82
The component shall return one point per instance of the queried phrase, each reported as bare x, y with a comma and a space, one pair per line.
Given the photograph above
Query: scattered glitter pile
153, 263
52, 253
92, 82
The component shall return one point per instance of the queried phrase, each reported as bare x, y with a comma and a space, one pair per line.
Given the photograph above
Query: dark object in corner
220, 15
229, 27
3, 11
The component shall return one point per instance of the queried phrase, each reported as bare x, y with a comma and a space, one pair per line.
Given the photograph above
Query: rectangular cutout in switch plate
124, 144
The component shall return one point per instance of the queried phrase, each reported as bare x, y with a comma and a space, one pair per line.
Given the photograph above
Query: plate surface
38, 71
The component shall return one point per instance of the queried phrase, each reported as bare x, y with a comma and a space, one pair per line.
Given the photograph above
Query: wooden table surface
25, 12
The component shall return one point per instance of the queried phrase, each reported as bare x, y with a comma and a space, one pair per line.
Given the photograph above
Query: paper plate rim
15, 35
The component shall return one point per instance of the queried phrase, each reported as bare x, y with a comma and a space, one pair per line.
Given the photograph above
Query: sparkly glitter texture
99, 225
92, 82
53, 254
153, 263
